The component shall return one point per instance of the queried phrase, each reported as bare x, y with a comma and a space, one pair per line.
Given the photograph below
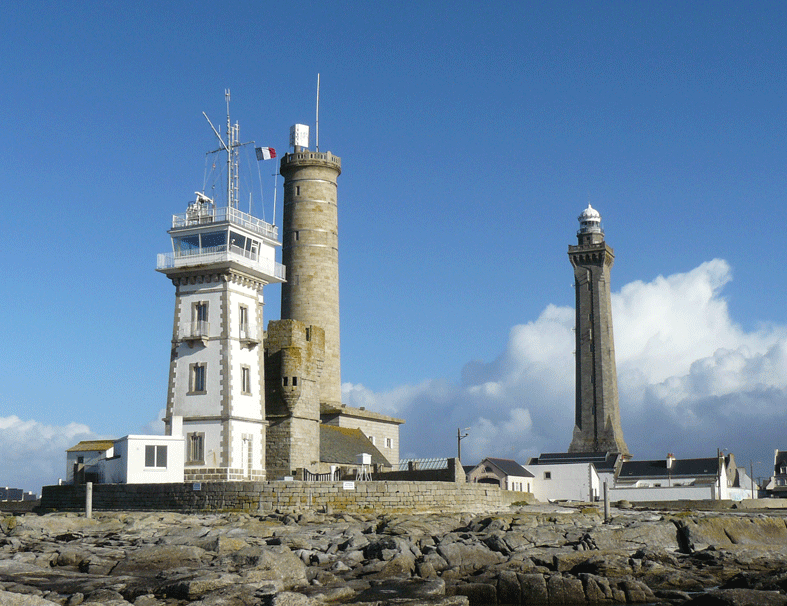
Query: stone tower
597, 425
310, 252
294, 356
221, 258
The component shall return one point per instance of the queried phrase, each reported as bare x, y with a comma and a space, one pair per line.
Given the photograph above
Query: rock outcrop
531, 555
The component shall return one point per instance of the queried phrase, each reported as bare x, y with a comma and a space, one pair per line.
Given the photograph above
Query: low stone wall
283, 496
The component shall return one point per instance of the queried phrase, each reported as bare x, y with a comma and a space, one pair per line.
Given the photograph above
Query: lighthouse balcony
223, 254
249, 336
194, 332
203, 215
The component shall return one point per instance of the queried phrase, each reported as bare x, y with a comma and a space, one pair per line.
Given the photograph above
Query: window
389, 442
308, 334
244, 319
155, 456
284, 381
201, 312
199, 322
295, 381
245, 379
295, 236
297, 190
198, 372
195, 443
547, 475
371, 439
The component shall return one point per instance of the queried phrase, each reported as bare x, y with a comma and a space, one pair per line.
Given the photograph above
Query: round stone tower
310, 252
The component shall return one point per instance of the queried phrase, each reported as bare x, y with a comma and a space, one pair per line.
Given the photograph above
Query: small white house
133, 459
672, 479
505, 473
572, 476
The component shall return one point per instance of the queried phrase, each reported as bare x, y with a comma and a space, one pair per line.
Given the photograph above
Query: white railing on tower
219, 215
218, 254
194, 330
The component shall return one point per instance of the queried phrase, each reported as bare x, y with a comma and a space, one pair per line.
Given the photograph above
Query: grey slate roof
602, 461
680, 468
509, 467
340, 446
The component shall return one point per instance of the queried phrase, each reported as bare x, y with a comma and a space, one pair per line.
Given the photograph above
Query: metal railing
248, 332
194, 330
220, 253
219, 215
407, 464
334, 476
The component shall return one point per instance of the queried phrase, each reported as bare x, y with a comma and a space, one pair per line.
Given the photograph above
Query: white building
672, 479
505, 473
220, 261
572, 476
133, 459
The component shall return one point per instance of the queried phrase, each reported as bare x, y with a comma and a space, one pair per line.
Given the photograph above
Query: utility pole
459, 437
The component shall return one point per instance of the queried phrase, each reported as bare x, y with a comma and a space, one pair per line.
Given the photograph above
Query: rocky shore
539, 555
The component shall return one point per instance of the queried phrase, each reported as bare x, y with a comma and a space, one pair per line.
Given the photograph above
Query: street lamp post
459, 437
751, 470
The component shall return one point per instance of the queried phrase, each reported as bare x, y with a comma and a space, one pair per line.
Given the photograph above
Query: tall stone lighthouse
310, 252
597, 424
302, 363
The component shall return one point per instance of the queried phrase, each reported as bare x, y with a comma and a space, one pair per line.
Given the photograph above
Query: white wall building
572, 476
505, 473
133, 459
221, 258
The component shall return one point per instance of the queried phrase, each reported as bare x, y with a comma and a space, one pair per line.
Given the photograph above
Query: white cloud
34, 454
691, 380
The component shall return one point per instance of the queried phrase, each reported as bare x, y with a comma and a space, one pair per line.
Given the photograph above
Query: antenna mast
317, 120
231, 147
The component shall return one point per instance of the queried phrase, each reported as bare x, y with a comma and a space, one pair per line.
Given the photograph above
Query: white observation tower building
220, 261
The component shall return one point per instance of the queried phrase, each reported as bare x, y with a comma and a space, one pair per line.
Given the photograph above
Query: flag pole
317, 118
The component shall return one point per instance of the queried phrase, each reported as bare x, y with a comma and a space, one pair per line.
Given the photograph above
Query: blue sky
471, 135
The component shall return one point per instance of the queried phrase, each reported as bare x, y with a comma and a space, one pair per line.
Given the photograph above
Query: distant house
133, 459
672, 479
572, 476
16, 494
777, 485
505, 473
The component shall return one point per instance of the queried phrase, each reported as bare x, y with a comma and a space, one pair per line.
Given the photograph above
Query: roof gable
509, 467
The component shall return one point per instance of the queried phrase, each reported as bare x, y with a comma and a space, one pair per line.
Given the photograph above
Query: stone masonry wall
282, 496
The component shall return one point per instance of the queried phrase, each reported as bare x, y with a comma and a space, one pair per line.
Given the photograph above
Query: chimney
670, 460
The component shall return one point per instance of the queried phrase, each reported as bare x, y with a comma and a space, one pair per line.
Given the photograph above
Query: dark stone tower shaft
597, 425
310, 252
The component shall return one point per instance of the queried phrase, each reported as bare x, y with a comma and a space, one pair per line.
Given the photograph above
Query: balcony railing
218, 254
194, 331
218, 215
248, 335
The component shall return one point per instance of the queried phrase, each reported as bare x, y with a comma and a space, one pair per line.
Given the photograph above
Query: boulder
159, 557
469, 556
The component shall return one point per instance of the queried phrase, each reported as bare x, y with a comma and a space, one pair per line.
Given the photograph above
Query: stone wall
283, 496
